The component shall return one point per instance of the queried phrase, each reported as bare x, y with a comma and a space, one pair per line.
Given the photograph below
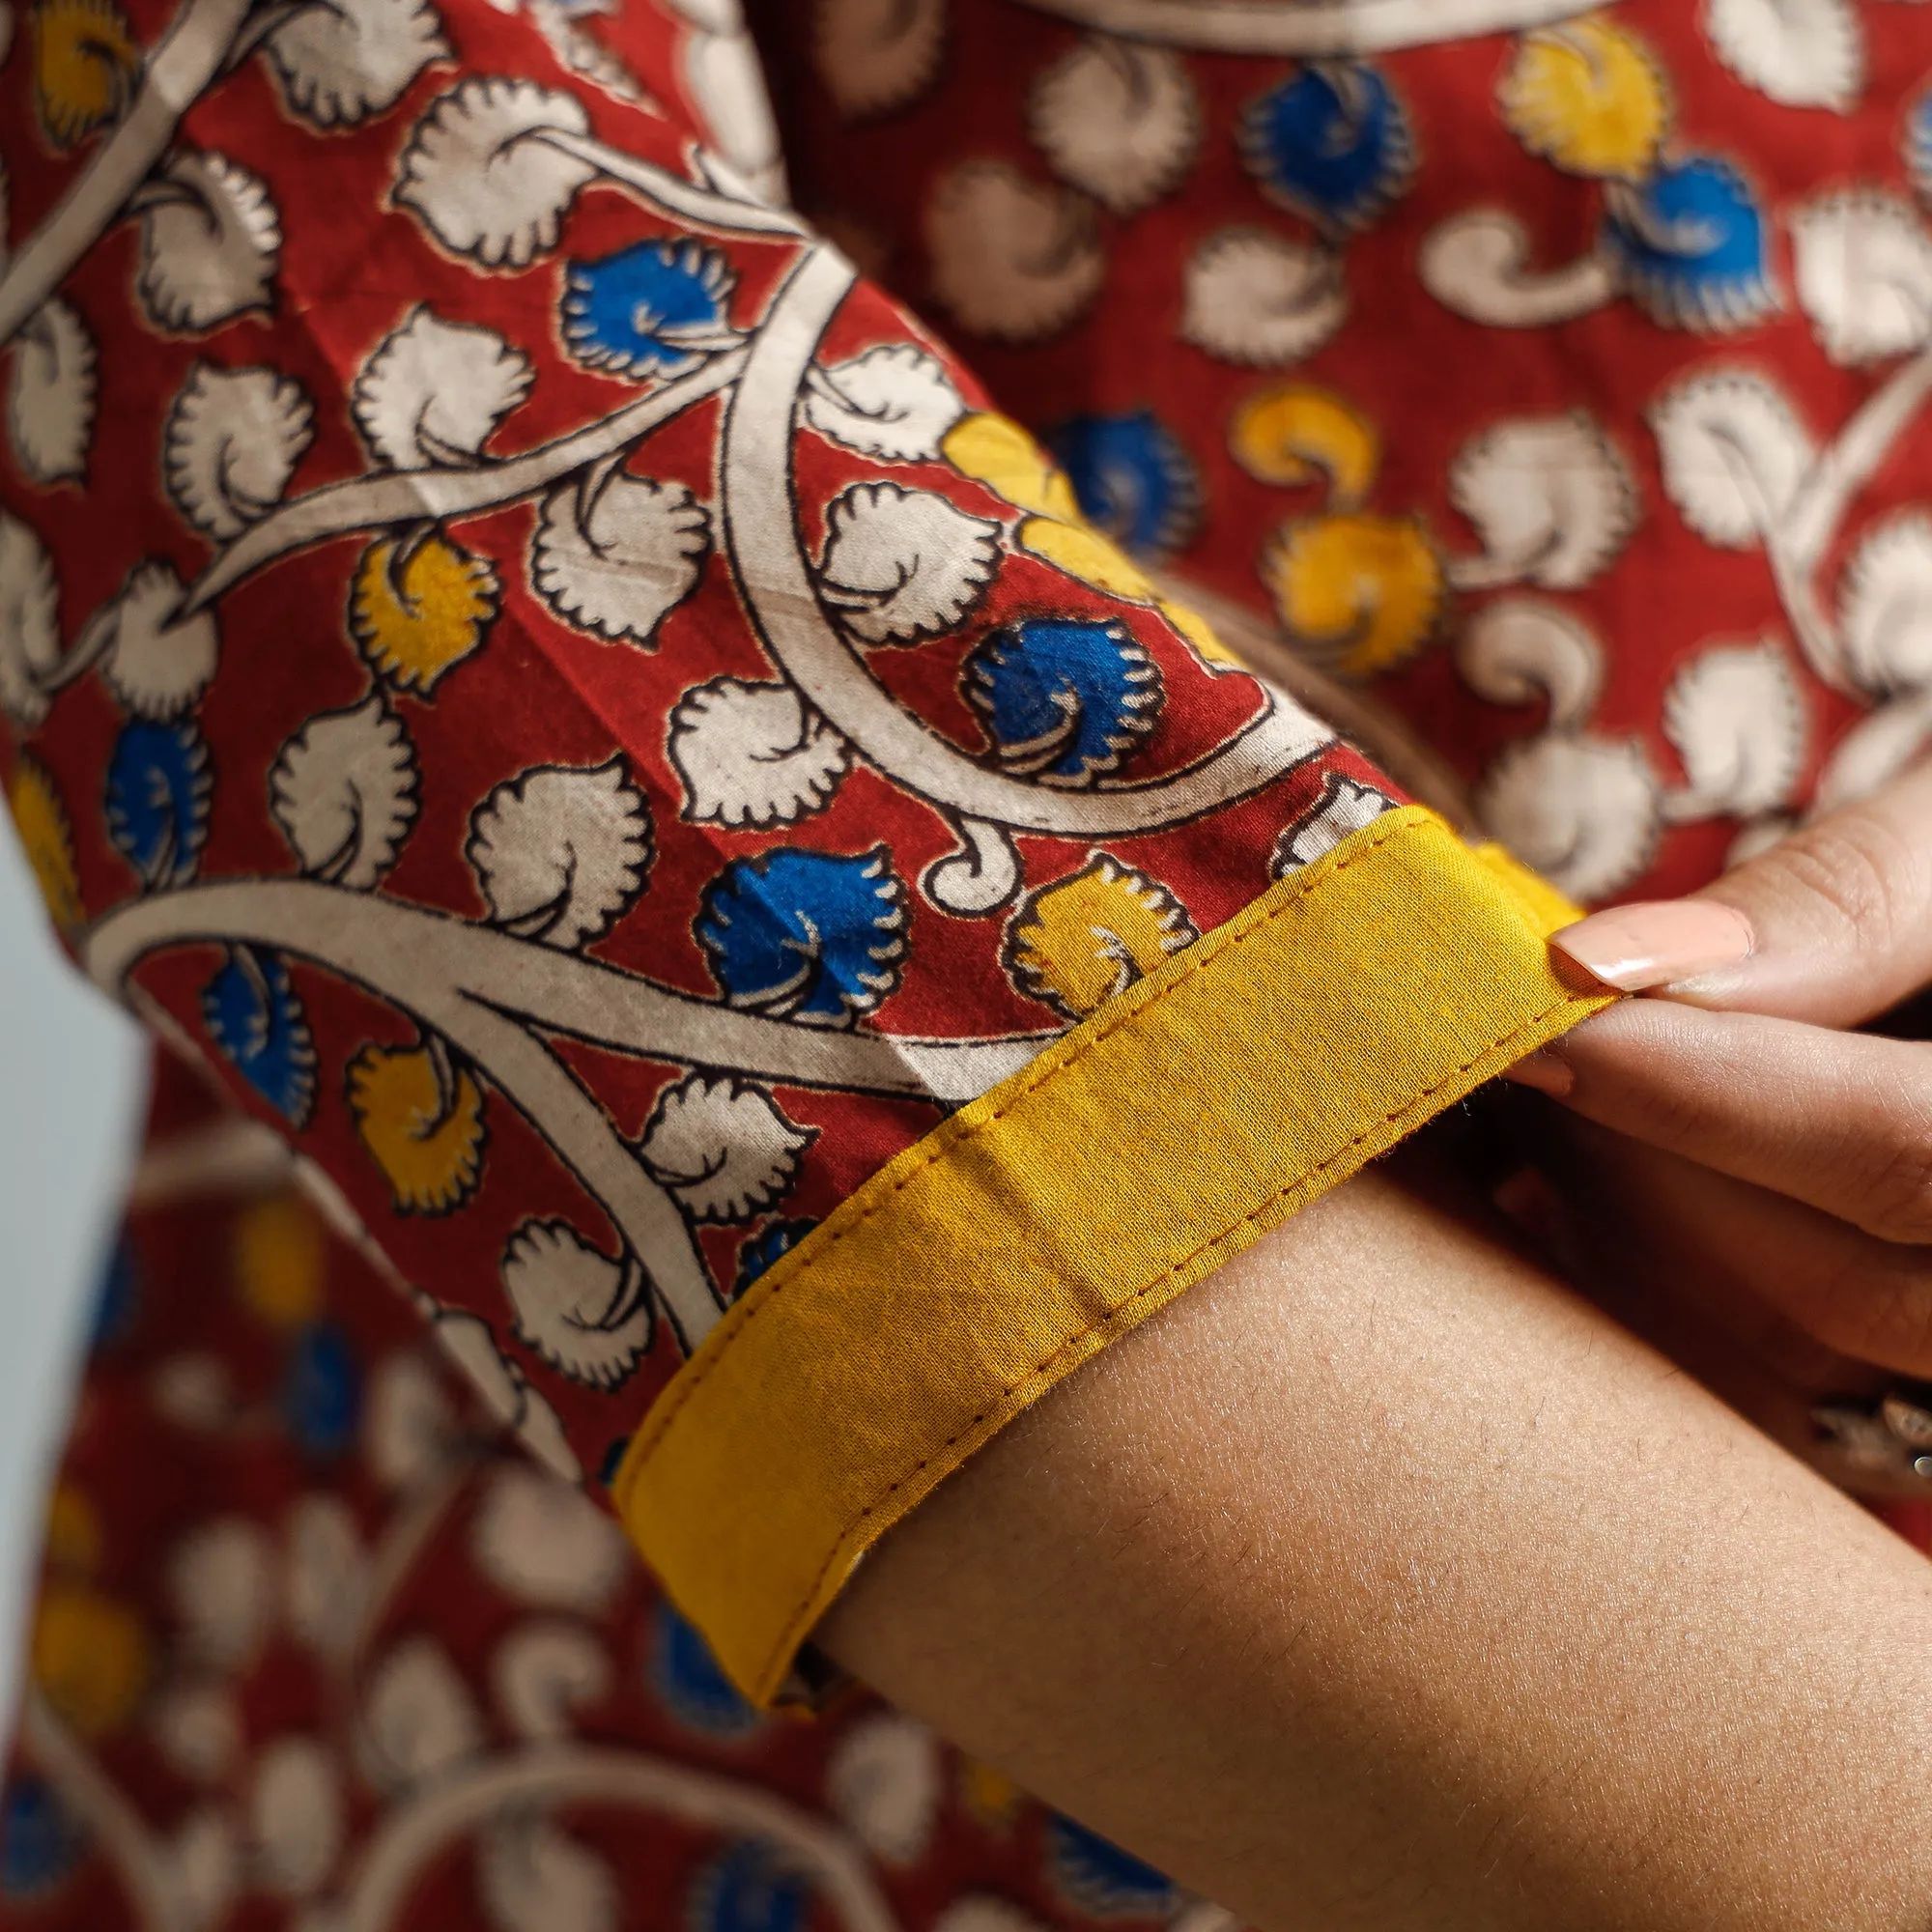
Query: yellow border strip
1254, 1072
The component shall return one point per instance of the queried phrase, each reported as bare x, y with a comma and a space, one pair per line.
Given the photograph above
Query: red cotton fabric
398, 715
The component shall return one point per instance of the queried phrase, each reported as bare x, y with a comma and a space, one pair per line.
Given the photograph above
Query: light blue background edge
72, 1079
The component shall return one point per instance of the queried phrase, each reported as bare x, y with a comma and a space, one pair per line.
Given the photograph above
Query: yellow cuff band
1206, 1104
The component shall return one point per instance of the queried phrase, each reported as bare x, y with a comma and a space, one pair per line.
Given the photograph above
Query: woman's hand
1799, 1207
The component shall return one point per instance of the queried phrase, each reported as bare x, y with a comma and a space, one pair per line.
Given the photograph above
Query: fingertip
1546, 1070
1649, 945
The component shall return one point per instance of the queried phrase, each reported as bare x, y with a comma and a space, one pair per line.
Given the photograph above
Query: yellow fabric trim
1218, 1097
1547, 909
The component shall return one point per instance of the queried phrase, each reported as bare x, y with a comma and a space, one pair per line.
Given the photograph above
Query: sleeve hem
1203, 1107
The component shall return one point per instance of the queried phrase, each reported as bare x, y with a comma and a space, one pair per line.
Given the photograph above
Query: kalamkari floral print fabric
1560, 367
586, 719
318, 1644
546, 680
522, 657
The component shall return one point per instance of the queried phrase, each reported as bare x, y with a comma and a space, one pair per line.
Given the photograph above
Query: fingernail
1546, 1071
1634, 947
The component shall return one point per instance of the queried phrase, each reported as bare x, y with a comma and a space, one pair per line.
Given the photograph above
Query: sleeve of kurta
772, 930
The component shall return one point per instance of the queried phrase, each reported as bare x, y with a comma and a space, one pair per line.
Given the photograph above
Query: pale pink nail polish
1636, 948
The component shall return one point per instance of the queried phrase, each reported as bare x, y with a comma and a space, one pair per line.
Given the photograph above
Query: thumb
1832, 925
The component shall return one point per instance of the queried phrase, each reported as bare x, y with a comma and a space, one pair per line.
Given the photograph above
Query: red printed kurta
690, 838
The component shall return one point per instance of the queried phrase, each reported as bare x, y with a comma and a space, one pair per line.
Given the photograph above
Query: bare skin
1381, 1584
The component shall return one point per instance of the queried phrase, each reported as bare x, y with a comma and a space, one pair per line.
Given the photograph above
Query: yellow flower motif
1082, 552
74, 1538
1080, 941
996, 452
422, 1119
991, 1796
415, 622
1295, 434
1589, 97
41, 820
1202, 635
89, 1657
1361, 591
277, 1259
85, 60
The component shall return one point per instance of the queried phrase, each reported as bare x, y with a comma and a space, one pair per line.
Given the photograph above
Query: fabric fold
1252, 1072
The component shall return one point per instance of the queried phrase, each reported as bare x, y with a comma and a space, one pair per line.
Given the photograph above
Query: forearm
1378, 1583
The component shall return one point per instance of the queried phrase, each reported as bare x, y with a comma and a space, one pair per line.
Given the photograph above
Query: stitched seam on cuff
793, 1632
673, 1402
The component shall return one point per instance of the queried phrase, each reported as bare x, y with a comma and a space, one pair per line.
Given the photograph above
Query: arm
1377, 1583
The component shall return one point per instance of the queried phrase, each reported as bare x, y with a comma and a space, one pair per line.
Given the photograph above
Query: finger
1841, 1121
1797, 1287
1837, 920
1658, 1238
1650, 1236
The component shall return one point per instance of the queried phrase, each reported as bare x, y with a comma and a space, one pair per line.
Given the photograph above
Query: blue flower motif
114, 1299
816, 937
1062, 698
689, 1683
1333, 144
1919, 144
1690, 243
157, 797
613, 1459
775, 1238
1132, 478
628, 311
746, 1890
322, 1390
253, 1014
41, 1839
1099, 1878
